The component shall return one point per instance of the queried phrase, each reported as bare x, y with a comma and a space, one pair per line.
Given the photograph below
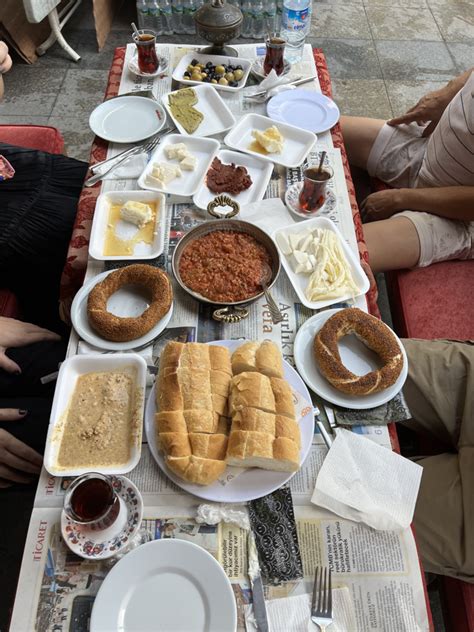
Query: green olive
196, 76
220, 70
201, 66
229, 76
213, 80
223, 81
190, 68
238, 74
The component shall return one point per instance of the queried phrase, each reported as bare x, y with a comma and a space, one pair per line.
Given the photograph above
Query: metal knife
258, 596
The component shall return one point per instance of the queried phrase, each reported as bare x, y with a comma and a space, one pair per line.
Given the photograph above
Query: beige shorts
396, 158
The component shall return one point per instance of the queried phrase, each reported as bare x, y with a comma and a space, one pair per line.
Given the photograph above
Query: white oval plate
297, 142
204, 149
125, 303
254, 482
309, 110
259, 170
217, 116
126, 230
178, 74
127, 119
167, 584
100, 545
354, 355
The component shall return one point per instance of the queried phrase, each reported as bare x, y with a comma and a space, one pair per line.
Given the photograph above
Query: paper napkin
274, 84
293, 613
365, 482
130, 169
269, 215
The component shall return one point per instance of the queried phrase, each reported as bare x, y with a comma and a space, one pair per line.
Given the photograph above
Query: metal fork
149, 146
321, 612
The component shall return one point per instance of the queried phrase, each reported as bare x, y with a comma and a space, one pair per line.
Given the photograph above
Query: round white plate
355, 356
167, 585
292, 195
303, 108
125, 303
257, 68
254, 482
162, 68
127, 119
100, 545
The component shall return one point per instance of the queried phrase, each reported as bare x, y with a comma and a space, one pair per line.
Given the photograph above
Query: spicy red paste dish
224, 266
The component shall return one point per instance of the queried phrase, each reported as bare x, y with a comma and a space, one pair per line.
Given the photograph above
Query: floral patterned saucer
291, 200
99, 545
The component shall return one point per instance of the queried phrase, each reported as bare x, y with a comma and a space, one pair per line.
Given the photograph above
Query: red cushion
8, 304
459, 603
434, 302
39, 137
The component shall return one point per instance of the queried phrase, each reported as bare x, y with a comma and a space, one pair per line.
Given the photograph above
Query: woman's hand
381, 204
15, 333
18, 462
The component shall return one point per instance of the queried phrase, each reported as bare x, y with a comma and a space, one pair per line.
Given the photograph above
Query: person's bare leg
393, 244
359, 136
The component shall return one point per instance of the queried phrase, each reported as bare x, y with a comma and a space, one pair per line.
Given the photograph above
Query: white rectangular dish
300, 281
178, 73
217, 116
70, 370
260, 172
297, 142
204, 149
127, 230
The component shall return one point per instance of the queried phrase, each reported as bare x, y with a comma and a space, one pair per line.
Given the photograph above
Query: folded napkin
365, 482
294, 613
269, 215
273, 84
130, 169
392, 411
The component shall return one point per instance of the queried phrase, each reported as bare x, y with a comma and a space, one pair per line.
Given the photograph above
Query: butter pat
136, 213
271, 139
165, 173
188, 163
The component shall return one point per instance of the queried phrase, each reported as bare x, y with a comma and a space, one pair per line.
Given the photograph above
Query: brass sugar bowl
218, 22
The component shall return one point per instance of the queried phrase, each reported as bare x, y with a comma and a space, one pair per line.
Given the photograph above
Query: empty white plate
204, 149
217, 116
297, 143
306, 109
354, 355
168, 585
260, 171
127, 119
126, 302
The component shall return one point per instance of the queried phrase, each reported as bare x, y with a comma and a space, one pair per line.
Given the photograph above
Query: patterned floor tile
339, 21
401, 23
358, 97
429, 61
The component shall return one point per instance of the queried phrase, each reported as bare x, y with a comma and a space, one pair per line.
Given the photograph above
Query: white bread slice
251, 389
263, 357
219, 358
220, 383
289, 428
260, 449
209, 446
185, 389
175, 443
195, 469
187, 421
283, 397
254, 419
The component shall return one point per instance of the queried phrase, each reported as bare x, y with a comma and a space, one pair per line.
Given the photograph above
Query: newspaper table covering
381, 569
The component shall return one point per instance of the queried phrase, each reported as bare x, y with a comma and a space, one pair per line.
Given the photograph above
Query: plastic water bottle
257, 19
270, 17
189, 6
144, 21
166, 16
279, 12
155, 17
177, 9
247, 24
296, 22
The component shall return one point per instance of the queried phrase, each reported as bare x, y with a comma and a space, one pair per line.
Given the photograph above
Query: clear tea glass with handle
147, 57
274, 55
92, 501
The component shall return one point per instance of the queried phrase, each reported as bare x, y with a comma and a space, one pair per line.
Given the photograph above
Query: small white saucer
100, 545
257, 68
292, 202
162, 66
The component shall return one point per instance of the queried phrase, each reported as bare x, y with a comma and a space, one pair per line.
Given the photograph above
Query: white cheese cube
284, 244
294, 240
165, 172
188, 163
306, 243
178, 150
298, 261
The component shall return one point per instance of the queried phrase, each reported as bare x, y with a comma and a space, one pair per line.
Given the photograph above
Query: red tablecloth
76, 262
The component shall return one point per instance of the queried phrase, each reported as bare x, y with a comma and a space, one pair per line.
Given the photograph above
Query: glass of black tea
274, 55
147, 57
91, 501
313, 193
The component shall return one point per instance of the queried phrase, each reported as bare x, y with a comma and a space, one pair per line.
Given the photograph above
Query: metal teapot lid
218, 14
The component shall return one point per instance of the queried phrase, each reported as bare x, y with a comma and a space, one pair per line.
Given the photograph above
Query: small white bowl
127, 230
70, 370
178, 73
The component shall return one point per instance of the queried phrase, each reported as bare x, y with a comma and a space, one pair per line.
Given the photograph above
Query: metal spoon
275, 312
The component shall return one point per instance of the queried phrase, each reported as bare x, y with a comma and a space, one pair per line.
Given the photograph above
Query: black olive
209, 64
233, 84
239, 67
187, 74
206, 80
194, 62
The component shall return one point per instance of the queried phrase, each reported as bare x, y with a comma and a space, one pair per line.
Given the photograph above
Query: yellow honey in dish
114, 246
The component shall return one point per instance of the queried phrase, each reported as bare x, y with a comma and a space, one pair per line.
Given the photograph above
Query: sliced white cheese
188, 163
306, 243
178, 150
284, 243
165, 172
294, 240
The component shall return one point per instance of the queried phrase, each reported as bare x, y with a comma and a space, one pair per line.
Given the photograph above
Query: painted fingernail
23, 412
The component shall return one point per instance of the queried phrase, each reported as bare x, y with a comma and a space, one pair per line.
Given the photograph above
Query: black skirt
37, 211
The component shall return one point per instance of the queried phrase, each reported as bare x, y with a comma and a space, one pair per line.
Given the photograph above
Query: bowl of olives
224, 73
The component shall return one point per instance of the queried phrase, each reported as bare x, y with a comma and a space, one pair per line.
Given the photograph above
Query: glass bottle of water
177, 9
296, 23
142, 14
270, 17
257, 19
279, 12
247, 24
189, 6
155, 17
166, 16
